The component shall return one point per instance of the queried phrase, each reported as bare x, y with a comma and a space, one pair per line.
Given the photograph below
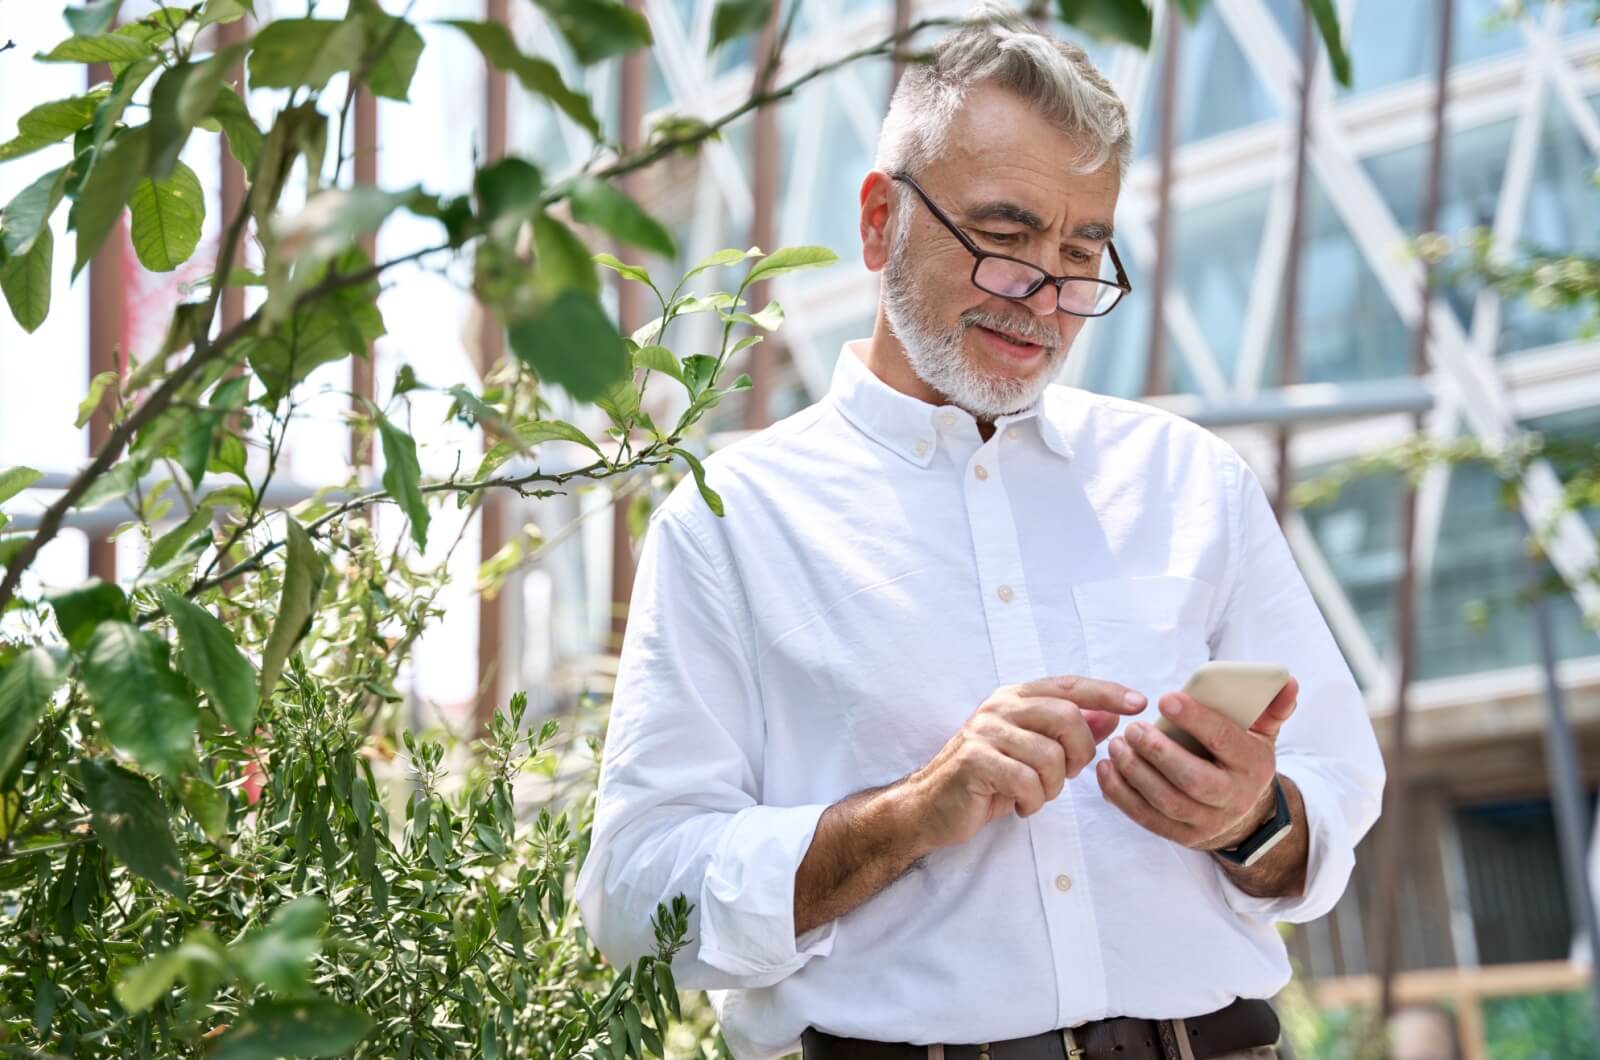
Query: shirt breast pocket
1146, 632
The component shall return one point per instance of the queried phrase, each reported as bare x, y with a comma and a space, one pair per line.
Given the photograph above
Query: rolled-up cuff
747, 900
1329, 861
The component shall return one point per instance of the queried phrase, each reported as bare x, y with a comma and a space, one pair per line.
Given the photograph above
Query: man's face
1003, 178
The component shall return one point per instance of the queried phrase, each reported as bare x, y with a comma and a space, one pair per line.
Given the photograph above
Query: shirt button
1011, 432
1063, 883
1004, 593
948, 419
981, 471
922, 448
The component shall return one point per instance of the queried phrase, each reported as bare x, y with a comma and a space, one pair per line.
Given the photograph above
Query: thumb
1278, 711
1101, 723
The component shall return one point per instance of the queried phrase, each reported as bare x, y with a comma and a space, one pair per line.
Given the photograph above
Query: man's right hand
1016, 752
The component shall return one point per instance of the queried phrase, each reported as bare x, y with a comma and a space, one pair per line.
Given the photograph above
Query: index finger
1086, 693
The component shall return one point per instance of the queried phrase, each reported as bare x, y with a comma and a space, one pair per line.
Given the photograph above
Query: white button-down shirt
879, 572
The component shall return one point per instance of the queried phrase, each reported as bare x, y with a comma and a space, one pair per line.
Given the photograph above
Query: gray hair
996, 44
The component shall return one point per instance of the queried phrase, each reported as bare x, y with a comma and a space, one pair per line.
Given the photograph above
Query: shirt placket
1014, 640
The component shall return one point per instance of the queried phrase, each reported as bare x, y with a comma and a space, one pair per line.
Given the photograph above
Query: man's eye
999, 237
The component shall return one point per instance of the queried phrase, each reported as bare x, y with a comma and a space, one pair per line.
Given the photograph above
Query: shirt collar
910, 426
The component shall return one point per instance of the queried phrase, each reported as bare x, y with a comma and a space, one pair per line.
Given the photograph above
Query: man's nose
1043, 301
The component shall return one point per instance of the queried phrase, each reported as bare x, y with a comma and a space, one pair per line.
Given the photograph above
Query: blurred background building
1484, 887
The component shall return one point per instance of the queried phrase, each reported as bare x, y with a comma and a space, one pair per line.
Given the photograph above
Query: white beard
939, 358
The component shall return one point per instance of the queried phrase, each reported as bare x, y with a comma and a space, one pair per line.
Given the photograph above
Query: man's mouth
1016, 343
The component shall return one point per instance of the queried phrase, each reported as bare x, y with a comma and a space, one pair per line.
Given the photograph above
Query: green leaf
572, 343
391, 72
91, 401
1115, 20
26, 282
730, 256
212, 661
93, 17
99, 48
243, 134
207, 805
128, 80
402, 477
26, 685
660, 359
131, 821
509, 187
536, 75
622, 268
295, 52
278, 954
330, 222
790, 259
167, 217
1328, 25
168, 544
302, 582
117, 171
598, 203
735, 18
529, 434
80, 610
14, 480
597, 29
145, 985
143, 706
50, 123
225, 11
118, 482
769, 319
564, 262
712, 498
182, 97
271, 1029
28, 214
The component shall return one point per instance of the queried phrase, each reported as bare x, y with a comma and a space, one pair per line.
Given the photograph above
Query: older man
878, 723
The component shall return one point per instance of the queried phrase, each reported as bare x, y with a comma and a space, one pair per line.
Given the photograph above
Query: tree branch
206, 351
650, 155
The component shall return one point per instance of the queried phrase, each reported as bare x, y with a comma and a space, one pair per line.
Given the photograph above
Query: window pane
1348, 328
1390, 43
1563, 215
1218, 91
1215, 259
1474, 170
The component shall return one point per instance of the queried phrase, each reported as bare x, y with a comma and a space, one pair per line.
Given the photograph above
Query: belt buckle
1074, 1050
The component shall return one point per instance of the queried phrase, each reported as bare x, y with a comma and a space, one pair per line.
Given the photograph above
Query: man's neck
886, 358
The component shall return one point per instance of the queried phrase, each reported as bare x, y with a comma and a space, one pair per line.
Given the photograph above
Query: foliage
218, 836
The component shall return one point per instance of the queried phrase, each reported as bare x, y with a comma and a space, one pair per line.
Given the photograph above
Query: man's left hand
1181, 796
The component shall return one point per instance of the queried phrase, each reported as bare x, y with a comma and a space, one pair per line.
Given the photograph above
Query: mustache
1029, 328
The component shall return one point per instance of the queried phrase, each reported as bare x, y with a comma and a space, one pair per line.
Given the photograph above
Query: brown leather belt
1245, 1024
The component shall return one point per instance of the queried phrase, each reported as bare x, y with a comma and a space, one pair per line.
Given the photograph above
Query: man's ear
875, 213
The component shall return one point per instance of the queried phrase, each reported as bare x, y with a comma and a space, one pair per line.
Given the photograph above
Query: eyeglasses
1013, 278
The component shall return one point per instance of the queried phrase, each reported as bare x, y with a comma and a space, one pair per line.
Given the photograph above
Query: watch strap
1256, 845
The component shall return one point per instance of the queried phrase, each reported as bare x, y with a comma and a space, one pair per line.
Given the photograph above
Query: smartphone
1240, 691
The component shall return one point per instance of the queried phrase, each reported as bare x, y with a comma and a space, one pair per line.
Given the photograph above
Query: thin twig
205, 353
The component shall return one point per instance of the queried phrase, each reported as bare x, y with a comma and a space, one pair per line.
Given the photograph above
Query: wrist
1264, 810
905, 818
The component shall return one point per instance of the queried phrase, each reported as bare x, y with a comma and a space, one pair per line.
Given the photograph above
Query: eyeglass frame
979, 254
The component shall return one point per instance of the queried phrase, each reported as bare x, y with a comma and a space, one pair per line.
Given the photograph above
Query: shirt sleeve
1327, 747
678, 809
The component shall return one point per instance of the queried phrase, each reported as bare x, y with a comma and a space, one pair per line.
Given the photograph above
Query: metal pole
1291, 277
1391, 865
491, 347
764, 217
1566, 789
1155, 369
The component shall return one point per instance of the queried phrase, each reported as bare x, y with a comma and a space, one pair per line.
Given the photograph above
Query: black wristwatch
1255, 846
